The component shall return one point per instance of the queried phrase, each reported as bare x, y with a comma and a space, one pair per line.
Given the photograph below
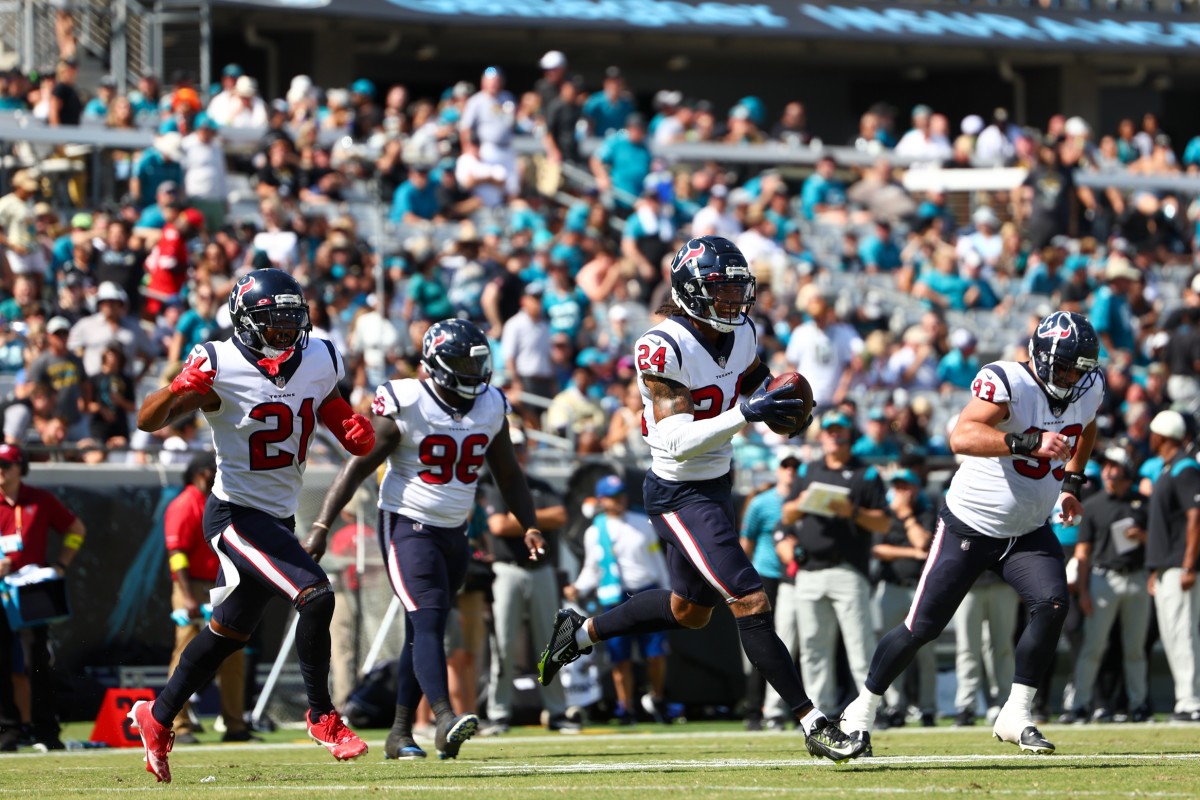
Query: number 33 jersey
674, 350
433, 475
263, 428
1013, 495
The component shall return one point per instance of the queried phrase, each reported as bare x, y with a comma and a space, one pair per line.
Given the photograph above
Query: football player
701, 382
262, 393
1026, 435
435, 434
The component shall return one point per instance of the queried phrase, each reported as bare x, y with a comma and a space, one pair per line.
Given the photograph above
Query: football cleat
561, 649
1023, 733
157, 738
828, 741
401, 745
865, 738
452, 732
329, 731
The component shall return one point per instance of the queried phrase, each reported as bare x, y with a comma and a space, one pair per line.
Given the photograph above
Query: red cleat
342, 743
157, 738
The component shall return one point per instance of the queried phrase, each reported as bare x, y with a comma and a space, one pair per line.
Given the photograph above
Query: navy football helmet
269, 299
458, 357
711, 282
1065, 355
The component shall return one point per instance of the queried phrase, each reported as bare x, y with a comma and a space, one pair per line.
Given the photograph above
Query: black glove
771, 407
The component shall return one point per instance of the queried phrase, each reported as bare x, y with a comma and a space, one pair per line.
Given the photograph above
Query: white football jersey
433, 475
263, 428
1014, 495
673, 351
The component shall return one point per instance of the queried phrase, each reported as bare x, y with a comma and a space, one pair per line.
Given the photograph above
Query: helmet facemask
722, 300
275, 330
465, 375
1064, 379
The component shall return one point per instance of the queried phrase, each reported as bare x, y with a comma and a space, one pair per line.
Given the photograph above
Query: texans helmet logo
694, 250
242, 288
435, 342
1056, 326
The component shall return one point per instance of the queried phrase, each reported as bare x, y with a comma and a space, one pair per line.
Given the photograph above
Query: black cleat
401, 745
561, 649
1030, 740
964, 719
828, 741
865, 738
453, 732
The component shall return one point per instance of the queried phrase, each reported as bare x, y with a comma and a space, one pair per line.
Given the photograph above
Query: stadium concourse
890, 264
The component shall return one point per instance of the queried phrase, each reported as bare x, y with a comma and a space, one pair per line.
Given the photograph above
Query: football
799, 389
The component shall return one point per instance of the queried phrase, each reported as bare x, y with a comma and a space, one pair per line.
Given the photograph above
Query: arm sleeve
592, 554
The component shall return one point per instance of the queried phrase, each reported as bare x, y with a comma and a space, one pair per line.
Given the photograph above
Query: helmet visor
281, 327
470, 370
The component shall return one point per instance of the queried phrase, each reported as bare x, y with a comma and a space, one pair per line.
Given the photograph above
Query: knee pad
1053, 610
318, 599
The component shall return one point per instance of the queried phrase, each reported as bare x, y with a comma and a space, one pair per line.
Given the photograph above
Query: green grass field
715, 760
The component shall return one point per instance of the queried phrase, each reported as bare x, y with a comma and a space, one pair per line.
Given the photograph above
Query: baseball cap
1169, 424
905, 476
1117, 455
985, 216
962, 338
554, 59
11, 454
57, 325
111, 291
612, 73
791, 462
233, 71
363, 86
1119, 267
635, 120
203, 120
836, 419
921, 110
194, 217
719, 190
877, 414
972, 124
82, 221
610, 486
536, 288
245, 86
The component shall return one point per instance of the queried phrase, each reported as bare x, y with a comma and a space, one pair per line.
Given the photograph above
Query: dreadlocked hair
669, 308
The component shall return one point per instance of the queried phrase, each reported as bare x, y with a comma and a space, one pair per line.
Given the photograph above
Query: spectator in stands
166, 207
979, 294
119, 262
169, 263
490, 115
245, 108
426, 300
525, 348
375, 341
940, 284
623, 161
279, 176
554, 74
881, 194
573, 412
715, 219
792, 127
26, 299
822, 191
110, 323
110, 402
914, 365
1110, 313
17, 226
221, 107
204, 178
58, 367
65, 106
958, 368
157, 165
561, 138
607, 111
416, 200
196, 325
877, 445
821, 349
985, 240
96, 109
487, 182
878, 250
922, 142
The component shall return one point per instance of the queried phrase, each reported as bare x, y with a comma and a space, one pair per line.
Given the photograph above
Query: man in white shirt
204, 178
220, 107
490, 115
485, 181
821, 350
714, 219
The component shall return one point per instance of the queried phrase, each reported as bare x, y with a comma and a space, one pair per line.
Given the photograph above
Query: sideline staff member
30, 513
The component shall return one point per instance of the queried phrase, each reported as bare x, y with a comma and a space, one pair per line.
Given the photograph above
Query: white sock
1020, 700
860, 714
582, 637
810, 719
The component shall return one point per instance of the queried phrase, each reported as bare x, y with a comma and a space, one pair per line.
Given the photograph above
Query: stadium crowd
888, 300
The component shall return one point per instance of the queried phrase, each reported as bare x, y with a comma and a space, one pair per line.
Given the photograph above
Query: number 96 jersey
433, 475
263, 428
1014, 495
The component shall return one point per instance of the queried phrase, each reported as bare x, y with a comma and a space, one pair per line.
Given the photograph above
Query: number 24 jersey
1013, 495
433, 475
263, 428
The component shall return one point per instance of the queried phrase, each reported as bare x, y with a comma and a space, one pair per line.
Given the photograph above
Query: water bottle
75, 744
180, 616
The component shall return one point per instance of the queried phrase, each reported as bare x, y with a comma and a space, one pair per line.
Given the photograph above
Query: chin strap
271, 365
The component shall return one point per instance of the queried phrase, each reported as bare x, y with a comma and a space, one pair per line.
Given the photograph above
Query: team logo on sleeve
378, 407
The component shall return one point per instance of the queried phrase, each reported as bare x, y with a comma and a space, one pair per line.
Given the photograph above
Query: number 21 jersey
433, 475
1014, 495
263, 428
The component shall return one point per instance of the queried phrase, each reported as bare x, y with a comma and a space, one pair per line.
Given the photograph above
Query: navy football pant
1032, 564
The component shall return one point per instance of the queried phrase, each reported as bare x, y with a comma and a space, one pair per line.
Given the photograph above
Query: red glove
353, 430
360, 434
194, 379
